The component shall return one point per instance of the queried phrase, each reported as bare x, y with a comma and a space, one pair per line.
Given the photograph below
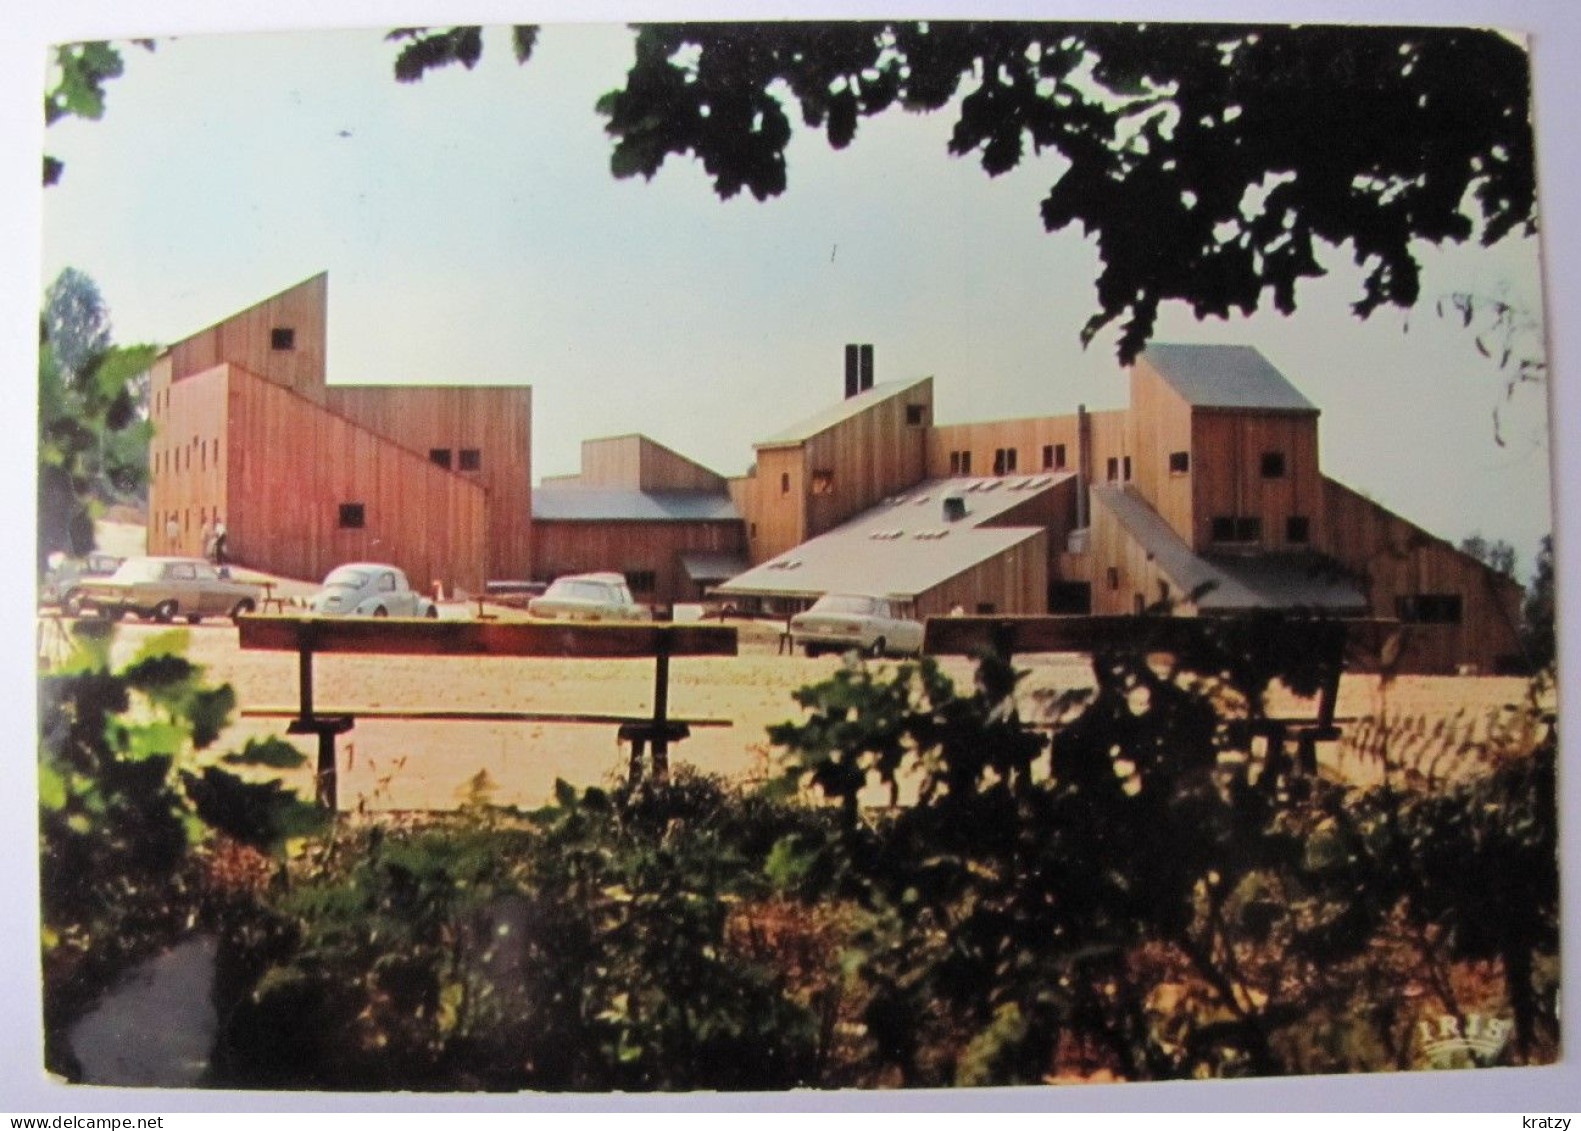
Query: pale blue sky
472, 232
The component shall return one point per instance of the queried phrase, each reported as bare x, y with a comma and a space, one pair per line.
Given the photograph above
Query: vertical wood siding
494, 421
290, 467
1395, 558
245, 339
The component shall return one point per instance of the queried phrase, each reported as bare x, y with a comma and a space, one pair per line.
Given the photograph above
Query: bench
311, 636
1328, 640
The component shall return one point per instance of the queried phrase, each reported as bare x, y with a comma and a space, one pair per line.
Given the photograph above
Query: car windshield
139, 569
345, 578
841, 603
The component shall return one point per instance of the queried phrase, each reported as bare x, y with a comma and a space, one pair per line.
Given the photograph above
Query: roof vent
954, 507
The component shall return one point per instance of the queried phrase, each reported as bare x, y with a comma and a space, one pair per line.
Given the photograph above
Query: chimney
1083, 454
867, 368
853, 373
954, 507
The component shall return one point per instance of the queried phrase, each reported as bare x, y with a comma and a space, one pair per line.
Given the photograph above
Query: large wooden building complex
306, 476
1204, 496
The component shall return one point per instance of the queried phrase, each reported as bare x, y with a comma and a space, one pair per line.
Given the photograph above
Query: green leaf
51, 789
152, 739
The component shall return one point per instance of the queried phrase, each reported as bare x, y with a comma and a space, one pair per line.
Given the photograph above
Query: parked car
65, 575
369, 589
588, 596
164, 588
842, 621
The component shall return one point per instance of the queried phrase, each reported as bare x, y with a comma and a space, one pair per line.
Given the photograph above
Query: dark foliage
1209, 163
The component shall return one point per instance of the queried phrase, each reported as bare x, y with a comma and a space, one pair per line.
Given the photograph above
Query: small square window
916, 414
471, 459
282, 338
1273, 465
351, 516
439, 457
1248, 529
1179, 463
1298, 529
1223, 528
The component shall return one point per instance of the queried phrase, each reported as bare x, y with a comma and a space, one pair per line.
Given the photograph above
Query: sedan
164, 588
66, 575
588, 596
842, 621
368, 589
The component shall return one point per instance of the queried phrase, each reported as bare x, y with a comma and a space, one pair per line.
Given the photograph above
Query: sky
473, 234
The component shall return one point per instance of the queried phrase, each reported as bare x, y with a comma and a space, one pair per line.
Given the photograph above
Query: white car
588, 596
842, 621
369, 589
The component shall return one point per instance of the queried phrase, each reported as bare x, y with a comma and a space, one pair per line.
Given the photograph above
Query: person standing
172, 532
208, 542
220, 536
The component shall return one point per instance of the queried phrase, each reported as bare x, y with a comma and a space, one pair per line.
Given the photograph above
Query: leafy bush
1151, 883
123, 806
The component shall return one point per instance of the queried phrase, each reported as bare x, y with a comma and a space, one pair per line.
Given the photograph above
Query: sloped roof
837, 413
1233, 583
553, 502
903, 546
711, 565
1208, 376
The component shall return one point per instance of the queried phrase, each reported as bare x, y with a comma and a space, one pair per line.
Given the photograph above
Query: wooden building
306, 475
1205, 496
637, 508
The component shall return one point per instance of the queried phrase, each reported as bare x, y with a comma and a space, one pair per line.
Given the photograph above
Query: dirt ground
403, 765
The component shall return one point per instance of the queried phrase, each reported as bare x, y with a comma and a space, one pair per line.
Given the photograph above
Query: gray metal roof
707, 565
554, 502
1234, 583
903, 546
836, 413
1225, 377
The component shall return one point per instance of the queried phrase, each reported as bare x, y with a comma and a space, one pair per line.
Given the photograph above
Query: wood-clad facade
641, 464
1014, 582
481, 433
307, 476
1456, 612
804, 486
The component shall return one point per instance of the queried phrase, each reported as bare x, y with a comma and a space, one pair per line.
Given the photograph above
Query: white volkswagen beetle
368, 589
841, 621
